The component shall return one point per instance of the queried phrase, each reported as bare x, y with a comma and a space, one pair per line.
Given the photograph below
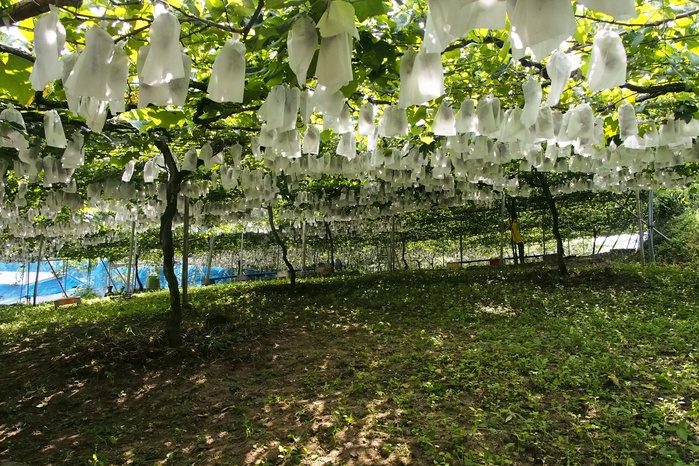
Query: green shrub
683, 245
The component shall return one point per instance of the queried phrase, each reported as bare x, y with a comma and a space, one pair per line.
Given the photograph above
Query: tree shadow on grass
68, 397
404, 369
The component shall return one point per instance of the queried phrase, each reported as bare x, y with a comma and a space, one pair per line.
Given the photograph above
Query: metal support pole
131, 248
651, 222
240, 258
21, 281
502, 230
55, 275
120, 275
89, 275
109, 273
641, 219
640, 227
107, 278
135, 279
29, 278
209, 259
65, 273
38, 267
393, 243
303, 249
185, 255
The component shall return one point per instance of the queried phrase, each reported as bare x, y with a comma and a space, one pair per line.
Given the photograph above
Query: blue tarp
75, 277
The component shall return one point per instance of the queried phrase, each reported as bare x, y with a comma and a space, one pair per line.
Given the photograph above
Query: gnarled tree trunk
174, 183
402, 254
138, 279
282, 245
560, 252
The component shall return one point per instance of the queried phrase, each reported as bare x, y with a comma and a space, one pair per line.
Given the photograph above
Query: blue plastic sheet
16, 285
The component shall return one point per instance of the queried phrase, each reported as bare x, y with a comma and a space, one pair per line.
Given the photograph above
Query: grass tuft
483, 366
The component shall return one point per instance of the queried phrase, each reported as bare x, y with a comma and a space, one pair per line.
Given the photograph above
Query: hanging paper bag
444, 123
607, 62
302, 43
539, 26
53, 130
466, 120
559, 68
334, 68
532, 101
49, 39
227, 82
488, 115
90, 75
338, 19
619, 9
164, 62
628, 125
366, 119
118, 80
311, 140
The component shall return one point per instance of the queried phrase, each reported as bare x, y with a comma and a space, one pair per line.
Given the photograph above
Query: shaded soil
471, 367
256, 403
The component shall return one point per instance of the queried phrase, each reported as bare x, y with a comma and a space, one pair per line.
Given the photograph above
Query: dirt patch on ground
265, 402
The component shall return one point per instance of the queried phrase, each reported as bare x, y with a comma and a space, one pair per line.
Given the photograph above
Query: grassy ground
473, 367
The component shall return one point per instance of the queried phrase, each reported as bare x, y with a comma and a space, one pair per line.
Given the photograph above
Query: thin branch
83, 16
26, 9
253, 18
43, 102
17, 52
495, 41
225, 113
193, 19
131, 34
656, 90
134, 2
463, 43
660, 22
198, 86
192, 32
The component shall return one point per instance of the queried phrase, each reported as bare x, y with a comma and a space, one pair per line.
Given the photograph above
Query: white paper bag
302, 43
532, 101
338, 19
334, 69
164, 63
227, 82
49, 39
444, 123
539, 26
90, 75
559, 67
467, 120
607, 62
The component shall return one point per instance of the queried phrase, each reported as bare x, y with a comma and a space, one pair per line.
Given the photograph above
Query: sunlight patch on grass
498, 310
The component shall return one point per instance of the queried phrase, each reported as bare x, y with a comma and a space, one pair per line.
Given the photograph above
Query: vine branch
26, 9
253, 19
656, 90
17, 52
660, 22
